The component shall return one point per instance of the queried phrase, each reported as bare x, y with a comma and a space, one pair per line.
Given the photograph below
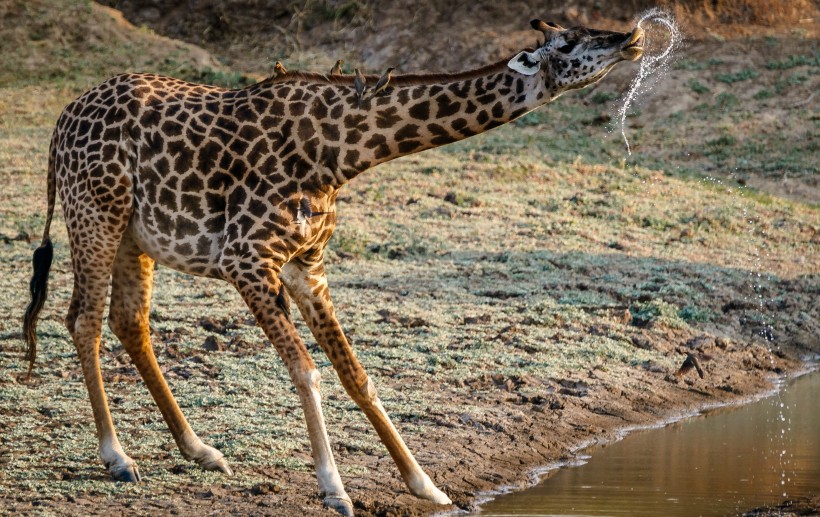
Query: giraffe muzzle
633, 47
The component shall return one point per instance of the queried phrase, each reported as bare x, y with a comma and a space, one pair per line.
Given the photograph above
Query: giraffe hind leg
92, 269
132, 282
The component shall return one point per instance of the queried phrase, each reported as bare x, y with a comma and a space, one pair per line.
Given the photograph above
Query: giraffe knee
119, 323
116, 325
127, 329
366, 393
71, 318
312, 379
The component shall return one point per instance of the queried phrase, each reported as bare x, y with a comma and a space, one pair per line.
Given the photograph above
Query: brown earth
427, 35
476, 429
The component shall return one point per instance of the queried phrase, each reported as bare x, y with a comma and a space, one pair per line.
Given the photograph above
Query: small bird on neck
381, 84
360, 83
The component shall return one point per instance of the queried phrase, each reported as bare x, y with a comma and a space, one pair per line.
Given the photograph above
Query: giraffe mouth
633, 47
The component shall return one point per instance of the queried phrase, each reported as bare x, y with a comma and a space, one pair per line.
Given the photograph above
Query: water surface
721, 463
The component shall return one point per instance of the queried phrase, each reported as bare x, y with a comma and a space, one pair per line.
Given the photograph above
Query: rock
642, 342
213, 344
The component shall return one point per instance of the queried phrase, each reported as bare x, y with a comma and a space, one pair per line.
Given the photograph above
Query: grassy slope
523, 272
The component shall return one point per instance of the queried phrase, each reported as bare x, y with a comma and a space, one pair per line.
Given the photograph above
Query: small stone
213, 344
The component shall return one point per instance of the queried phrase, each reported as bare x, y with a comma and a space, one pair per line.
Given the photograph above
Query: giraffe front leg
307, 284
267, 300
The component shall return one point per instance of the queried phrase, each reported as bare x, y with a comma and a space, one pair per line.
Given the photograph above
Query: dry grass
767, 13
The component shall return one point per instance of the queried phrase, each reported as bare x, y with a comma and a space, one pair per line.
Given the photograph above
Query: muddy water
721, 463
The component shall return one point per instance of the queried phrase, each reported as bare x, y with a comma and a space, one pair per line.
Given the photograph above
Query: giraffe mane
396, 79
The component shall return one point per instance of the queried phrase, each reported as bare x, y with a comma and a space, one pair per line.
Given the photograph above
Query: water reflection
727, 461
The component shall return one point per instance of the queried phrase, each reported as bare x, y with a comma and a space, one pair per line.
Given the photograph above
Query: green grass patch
763, 94
692, 313
698, 87
736, 77
656, 313
695, 64
794, 61
725, 101
603, 97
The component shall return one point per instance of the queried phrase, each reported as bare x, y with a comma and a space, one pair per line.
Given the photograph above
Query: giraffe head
576, 57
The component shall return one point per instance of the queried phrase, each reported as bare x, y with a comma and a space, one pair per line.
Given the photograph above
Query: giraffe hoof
427, 490
218, 464
342, 504
436, 495
126, 473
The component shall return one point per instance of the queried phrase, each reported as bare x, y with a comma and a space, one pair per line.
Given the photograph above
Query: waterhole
722, 462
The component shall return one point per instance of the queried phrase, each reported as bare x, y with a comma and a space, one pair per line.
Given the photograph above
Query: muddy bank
788, 508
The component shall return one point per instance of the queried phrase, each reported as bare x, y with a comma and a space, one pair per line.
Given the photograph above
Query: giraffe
240, 185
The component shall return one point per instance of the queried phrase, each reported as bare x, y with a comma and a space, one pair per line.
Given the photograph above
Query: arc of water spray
649, 64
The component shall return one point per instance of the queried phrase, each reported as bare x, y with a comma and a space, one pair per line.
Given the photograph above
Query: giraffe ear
527, 63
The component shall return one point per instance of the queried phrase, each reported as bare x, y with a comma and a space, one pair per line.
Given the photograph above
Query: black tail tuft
39, 290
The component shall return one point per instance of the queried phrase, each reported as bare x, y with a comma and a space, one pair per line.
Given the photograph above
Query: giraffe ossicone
241, 185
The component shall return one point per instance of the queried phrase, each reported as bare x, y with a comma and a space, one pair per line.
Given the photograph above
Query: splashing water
650, 65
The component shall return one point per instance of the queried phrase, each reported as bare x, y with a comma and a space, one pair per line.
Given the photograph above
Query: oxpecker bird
304, 212
337, 68
383, 80
690, 362
361, 85
279, 69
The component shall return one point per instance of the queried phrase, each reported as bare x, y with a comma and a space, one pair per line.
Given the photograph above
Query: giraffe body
240, 185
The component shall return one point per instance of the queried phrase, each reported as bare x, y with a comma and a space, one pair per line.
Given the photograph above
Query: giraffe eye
566, 49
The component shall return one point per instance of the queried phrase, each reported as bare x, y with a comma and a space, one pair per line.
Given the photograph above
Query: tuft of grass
349, 240
794, 61
695, 64
698, 87
795, 79
721, 147
725, 101
736, 77
692, 313
603, 97
763, 94
656, 313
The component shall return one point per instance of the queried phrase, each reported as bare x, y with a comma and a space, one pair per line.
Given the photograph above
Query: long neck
409, 118
412, 114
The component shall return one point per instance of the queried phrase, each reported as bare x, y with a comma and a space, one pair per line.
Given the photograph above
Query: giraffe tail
41, 261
